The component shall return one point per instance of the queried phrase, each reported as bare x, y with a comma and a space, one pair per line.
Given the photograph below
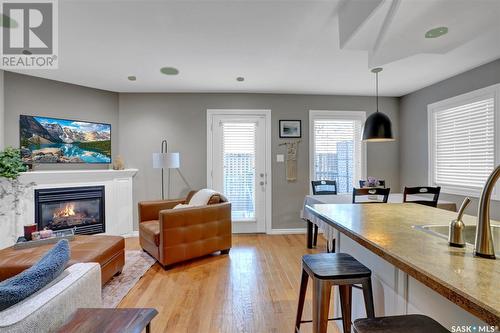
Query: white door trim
251, 112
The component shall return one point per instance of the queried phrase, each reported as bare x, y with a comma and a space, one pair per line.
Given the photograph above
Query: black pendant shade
378, 127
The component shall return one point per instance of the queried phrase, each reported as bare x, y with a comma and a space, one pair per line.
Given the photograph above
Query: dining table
346, 198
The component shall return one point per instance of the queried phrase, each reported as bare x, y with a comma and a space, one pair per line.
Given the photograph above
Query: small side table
89, 320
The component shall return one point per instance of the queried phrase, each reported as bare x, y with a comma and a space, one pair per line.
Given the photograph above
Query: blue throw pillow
28, 282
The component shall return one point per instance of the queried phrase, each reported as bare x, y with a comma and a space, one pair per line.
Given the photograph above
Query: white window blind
239, 168
337, 151
462, 144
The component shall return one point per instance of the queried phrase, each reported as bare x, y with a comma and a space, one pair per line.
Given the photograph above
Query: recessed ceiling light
436, 32
169, 70
132, 78
240, 79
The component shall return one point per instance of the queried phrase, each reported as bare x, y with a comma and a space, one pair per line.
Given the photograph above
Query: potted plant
11, 188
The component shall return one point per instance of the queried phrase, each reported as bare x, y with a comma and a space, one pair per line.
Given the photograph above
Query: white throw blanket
200, 198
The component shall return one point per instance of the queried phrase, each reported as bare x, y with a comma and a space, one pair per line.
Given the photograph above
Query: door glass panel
239, 168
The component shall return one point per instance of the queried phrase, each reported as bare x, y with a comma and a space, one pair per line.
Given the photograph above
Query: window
239, 168
336, 151
462, 141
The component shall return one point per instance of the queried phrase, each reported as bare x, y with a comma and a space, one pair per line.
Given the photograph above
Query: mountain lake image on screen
52, 140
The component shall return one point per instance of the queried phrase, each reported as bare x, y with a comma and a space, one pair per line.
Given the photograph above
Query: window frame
456, 101
335, 115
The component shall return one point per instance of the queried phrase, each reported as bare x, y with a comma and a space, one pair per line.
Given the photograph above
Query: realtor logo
29, 34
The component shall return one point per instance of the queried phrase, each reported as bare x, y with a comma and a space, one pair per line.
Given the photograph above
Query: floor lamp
165, 160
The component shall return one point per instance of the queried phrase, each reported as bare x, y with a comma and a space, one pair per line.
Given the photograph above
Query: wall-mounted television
53, 140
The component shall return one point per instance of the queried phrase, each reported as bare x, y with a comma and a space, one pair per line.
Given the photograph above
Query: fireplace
69, 207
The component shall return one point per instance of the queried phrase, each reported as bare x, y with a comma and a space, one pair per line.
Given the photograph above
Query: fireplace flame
67, 210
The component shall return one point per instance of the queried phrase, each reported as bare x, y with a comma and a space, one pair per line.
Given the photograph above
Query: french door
238, 167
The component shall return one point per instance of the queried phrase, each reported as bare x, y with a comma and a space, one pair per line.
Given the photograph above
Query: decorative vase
118, 163
28, 230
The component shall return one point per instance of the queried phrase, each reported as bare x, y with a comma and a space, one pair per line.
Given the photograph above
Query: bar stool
327, 270
396, 324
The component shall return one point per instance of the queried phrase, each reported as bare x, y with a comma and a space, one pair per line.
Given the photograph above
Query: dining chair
322, 187
423, 190
362, 183
360, 192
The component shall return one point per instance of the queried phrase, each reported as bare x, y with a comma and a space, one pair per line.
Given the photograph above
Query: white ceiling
316, 47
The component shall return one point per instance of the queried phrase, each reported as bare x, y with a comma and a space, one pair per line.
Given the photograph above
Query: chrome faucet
484, 240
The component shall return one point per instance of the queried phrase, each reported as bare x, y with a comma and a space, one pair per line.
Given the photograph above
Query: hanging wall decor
291, 159
290, 129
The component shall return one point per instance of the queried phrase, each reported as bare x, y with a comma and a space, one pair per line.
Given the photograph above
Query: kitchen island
415, 271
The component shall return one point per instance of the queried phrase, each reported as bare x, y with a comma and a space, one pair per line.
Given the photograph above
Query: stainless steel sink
470, 233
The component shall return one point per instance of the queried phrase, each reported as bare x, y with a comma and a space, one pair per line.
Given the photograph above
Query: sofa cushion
25, 284
150, 230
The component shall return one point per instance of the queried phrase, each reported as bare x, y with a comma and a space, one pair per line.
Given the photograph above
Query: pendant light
378, 127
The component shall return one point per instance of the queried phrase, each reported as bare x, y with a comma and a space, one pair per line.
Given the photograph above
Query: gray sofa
79, 286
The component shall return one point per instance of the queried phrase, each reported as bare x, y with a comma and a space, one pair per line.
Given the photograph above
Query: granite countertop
388, 230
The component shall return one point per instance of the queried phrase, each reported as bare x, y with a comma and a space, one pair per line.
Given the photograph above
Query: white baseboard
287, 231
290, 231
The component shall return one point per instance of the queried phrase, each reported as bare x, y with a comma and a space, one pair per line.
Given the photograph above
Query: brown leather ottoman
108, 251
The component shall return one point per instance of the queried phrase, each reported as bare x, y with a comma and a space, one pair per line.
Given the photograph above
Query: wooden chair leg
368, 296
345, 292
321, 305
315, 239
309, 235
302, 296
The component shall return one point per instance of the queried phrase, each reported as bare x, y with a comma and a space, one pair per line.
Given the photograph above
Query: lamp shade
166, 160
378, 128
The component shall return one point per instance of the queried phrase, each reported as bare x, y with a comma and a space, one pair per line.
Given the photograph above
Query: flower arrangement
372, 182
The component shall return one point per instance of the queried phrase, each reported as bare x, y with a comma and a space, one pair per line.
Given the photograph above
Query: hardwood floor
254, 289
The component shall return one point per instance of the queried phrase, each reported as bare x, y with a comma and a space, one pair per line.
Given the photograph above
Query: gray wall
145, 119
35, 96
413, 125
2, 112
140, 121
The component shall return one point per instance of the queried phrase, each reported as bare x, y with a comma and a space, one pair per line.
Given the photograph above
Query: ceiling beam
352, 15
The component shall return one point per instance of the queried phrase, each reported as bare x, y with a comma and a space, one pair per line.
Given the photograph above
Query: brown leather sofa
175, 235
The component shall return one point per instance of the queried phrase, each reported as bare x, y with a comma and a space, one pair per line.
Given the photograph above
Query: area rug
137, 264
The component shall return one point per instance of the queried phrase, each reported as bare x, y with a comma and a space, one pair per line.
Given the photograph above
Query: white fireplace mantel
49, 176
118, 198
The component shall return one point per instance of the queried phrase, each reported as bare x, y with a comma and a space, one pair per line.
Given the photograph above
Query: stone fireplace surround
118, 204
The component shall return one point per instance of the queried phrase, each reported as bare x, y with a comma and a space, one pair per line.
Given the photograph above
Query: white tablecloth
328, 231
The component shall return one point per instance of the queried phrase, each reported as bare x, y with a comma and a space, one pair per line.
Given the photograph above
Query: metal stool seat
397, 324
327, 270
